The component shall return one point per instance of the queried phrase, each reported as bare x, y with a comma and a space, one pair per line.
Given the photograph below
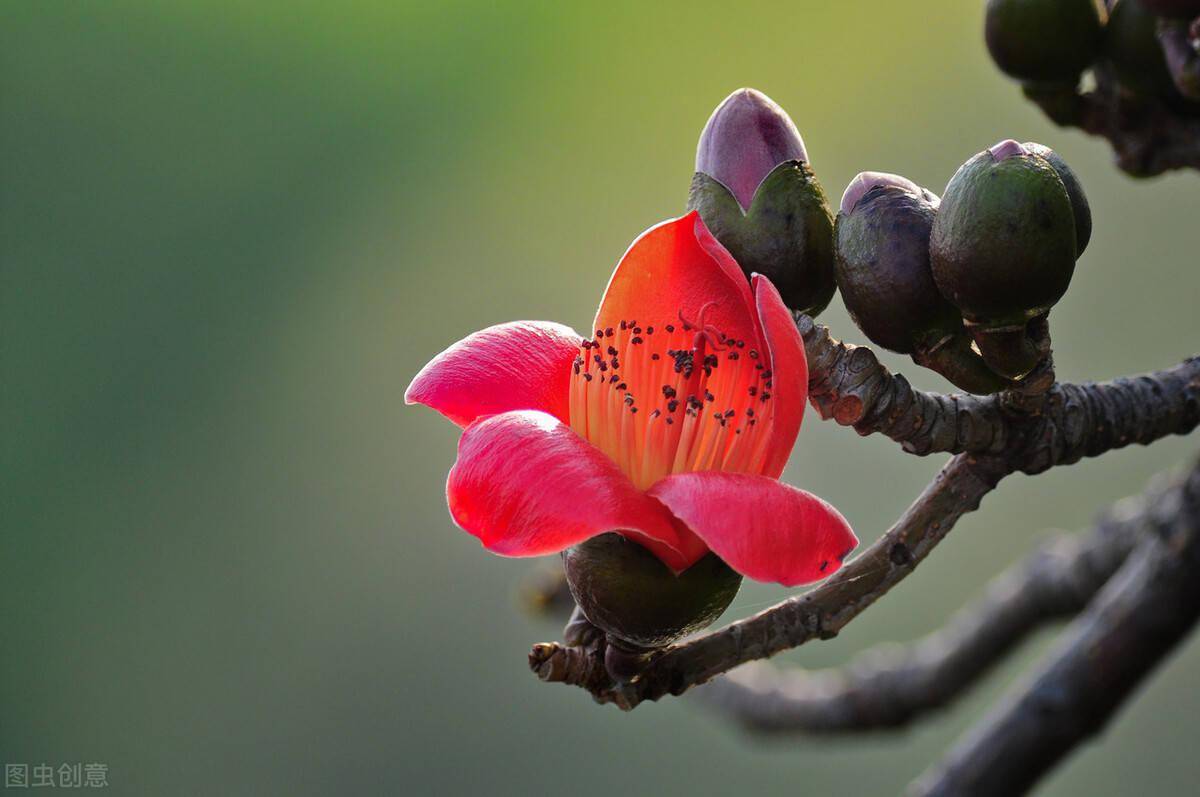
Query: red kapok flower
669, 425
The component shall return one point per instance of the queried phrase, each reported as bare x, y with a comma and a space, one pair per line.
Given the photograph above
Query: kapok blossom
670, 425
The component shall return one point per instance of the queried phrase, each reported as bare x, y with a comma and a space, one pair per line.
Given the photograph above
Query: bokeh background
231, 232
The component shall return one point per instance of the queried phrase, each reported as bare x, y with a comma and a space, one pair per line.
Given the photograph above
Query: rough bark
891, 685
1135, 621
848, 384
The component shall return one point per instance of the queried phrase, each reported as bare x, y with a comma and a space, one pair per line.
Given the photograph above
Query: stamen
672, 398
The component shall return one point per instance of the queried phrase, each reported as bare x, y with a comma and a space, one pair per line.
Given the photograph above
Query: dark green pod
625, 591
881, 241
786, 234
1003, 245
1079, 202
1044, 41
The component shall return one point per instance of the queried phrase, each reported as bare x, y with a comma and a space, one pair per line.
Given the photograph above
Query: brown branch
1148, 135
891, 685
1134, 622
1067, 422
820, 613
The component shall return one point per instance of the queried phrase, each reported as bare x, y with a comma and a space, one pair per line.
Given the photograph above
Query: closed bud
1044, 41
1003, 249
746, 137
882, 247
627, 592
758, 196
1079, 202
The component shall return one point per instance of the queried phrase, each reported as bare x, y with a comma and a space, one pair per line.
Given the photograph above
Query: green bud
1044, 41
1003, 248
882, 247
625, 590
758, 196
881, 238
1079, 203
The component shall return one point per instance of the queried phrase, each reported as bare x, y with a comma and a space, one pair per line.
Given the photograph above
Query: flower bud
757, 195
881, 240
746, 137
882, 262
1003, 248
625, 591
1079, 202
1044, 41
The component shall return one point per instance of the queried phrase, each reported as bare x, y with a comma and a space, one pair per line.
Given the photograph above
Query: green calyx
1044, 41
625, 591
786, 234
1003, 245
882, 270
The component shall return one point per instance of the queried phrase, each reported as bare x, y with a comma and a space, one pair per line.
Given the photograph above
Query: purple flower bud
865, 181
746, 137
1007, 149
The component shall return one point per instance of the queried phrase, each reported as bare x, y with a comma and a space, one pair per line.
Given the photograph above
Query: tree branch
1134, 622
848, 384
1028, 429
891, 685
820, 613
1147, 135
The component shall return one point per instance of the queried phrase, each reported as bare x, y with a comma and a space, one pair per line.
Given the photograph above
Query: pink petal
521, 365
763, 529
526, 485
789, 373
679, 267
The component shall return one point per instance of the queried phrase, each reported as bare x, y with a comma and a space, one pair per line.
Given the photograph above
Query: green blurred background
231, 232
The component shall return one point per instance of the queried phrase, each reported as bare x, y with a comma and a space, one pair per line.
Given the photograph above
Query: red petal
527, 485
763, 529
522, 365
789, 373
677, 266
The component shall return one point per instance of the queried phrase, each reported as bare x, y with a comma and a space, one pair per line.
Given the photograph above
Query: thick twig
820, 613
890, 685
848, 384
1134, 622
1147, 135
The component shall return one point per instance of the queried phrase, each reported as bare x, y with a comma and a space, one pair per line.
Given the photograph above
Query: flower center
672, 398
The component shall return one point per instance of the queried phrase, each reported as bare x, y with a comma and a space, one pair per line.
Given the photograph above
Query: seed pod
1003, 249
1044, 41
1079, 202
1173, 9
625, 591
759, 197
